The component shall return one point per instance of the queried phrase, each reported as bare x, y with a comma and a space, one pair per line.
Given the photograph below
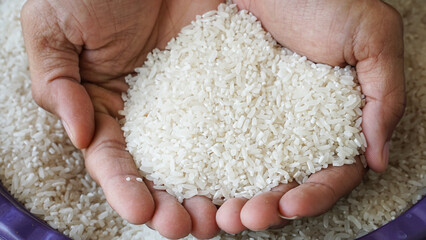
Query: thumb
380, 68
68, 100
54, 69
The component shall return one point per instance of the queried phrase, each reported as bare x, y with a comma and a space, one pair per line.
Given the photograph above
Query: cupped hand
79, 53
366, 34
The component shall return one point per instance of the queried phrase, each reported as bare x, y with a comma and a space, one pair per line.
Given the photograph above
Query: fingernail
385, 154
289, 218
68, 130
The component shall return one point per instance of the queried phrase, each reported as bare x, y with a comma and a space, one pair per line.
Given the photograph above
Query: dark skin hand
366, 34
79, 52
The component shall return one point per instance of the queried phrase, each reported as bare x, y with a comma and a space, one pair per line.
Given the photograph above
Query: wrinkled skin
79, 52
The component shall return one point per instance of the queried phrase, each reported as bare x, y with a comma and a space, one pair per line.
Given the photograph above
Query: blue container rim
17, 223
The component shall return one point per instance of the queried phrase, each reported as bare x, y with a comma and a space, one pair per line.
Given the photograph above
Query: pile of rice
46, 173
224, 111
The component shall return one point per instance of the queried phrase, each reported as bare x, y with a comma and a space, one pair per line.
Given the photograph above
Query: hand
364, 34
79, 52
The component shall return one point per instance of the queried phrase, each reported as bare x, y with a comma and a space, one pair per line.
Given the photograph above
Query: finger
69, 101
109, 164
170, 219
321, 191
106, 97
228, 216
203, 217
379, 51
54, 70
262, 212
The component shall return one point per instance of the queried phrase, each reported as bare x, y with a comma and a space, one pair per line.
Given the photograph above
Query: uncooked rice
225, 112
46, 173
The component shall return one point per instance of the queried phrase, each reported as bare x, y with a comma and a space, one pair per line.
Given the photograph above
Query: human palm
364, 34
79, 52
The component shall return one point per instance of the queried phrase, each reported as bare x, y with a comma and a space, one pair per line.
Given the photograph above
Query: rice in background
44, 171
38, 163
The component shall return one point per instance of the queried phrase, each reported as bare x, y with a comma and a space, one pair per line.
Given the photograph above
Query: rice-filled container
49, 195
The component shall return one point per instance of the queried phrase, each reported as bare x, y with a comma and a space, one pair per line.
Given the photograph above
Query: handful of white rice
224, 111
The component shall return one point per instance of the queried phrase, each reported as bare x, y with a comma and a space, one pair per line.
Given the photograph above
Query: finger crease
115, 145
